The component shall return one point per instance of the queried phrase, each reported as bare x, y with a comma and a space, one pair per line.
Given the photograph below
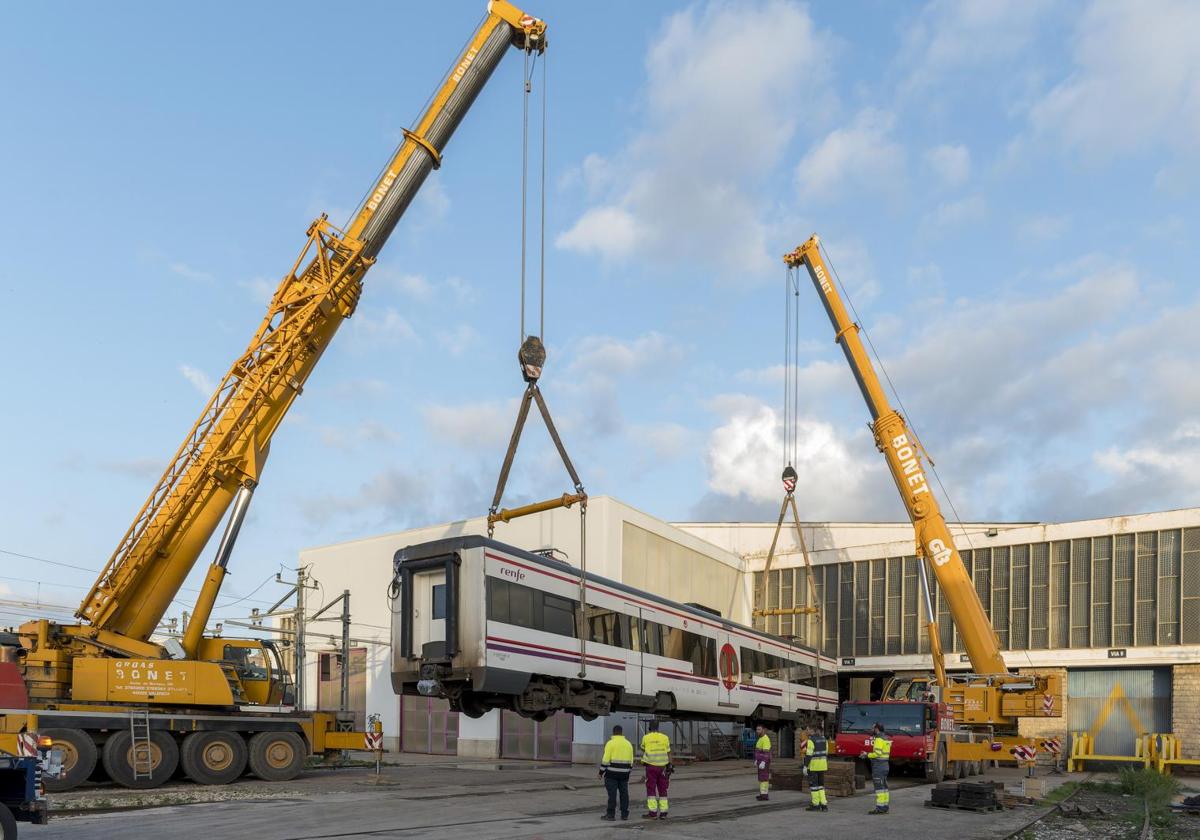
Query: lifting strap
791, 413
532, 359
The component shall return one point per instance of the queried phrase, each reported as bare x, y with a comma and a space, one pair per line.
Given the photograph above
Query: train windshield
897, 718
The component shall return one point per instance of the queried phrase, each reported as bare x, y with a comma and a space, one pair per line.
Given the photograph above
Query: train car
486, 625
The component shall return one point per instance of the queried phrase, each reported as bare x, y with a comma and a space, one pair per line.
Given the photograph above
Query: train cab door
429, 614
729, 672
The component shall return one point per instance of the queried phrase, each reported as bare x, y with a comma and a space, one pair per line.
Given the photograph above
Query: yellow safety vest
817, 753
656, 749
618, 756
881, 749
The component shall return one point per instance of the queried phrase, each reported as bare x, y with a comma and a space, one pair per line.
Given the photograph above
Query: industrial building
1114, 602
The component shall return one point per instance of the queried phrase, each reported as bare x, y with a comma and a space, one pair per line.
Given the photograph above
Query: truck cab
912, 728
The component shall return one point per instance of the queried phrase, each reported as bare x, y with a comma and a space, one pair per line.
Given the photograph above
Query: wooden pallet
978, 809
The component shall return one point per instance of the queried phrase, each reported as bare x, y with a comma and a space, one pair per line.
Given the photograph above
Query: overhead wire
957, 520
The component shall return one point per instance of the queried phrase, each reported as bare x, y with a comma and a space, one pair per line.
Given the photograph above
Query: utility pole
344, 598
302, 585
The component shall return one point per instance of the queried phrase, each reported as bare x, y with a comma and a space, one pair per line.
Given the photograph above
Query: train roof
449, 545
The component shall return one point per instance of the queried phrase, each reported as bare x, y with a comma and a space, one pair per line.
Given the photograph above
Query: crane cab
257, 664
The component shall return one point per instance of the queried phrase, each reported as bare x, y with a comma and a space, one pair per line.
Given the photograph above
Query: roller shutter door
1115, 703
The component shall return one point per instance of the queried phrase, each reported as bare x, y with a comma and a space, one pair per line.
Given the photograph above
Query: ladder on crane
141, 760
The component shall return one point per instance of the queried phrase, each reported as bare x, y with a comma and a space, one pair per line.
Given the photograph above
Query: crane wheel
8, 823
120, 755
213, 758
277, 756
79, 758
935, 771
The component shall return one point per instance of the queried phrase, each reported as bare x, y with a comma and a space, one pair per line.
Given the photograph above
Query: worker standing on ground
816, 762
656, 756
762, 762
615, 767
880, 756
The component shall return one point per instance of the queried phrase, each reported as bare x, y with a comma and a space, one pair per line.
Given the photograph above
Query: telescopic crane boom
221, 458
220, 462
991, 695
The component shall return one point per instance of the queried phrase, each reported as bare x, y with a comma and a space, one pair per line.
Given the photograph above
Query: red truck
922, 736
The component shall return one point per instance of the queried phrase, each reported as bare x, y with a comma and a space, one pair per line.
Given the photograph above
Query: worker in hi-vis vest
615, 767
880, 756
656, 756
762, 762
816, 762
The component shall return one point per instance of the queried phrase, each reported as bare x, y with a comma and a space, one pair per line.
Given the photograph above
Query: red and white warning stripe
1023, 752
27, 745
1048, 704
1051, 745
374, 741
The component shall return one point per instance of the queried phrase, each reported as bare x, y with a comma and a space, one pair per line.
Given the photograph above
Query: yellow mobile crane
976, 715
213, 704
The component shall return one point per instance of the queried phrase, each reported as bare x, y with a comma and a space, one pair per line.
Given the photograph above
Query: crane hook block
532, 357
789, 478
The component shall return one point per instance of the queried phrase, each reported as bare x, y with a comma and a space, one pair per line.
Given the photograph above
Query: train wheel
277, 756
471, 706
121, 757
213, 758
79, 758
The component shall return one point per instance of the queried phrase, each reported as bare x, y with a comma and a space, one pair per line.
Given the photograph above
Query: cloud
951, 164
610, 232
482, 426
414, 286
198, 379
458, 340
388, 326
950, 37
861, 156
350, 437
608, 357
433, 203
953, 214
744, 461
1043, 228
187, 272
260, 288
689, 186
1133, 84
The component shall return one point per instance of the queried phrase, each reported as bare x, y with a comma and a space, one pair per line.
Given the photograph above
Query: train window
801, 675
520, 606
635, 634
558, 615
606, 627
652, 638
673, 644
762, 664
439, 601
701, 652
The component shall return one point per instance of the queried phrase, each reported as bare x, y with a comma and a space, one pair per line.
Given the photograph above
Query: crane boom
222, 456
903, 453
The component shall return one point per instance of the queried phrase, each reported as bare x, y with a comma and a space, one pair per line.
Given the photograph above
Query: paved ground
480, 800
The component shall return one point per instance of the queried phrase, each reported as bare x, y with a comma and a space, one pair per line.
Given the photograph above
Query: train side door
729, 672
429, 614
637, 680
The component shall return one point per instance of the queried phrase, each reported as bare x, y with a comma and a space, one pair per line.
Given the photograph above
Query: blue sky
1008, 192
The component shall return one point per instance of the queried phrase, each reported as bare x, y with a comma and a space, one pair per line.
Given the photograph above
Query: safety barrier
1166, 751
1083, 748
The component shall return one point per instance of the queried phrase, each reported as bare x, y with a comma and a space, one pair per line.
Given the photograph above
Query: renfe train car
487, 625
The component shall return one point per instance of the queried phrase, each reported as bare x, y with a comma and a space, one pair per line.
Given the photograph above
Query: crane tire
118, 759
8, 824
277, 756
213, 758
79, 758
935, 771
